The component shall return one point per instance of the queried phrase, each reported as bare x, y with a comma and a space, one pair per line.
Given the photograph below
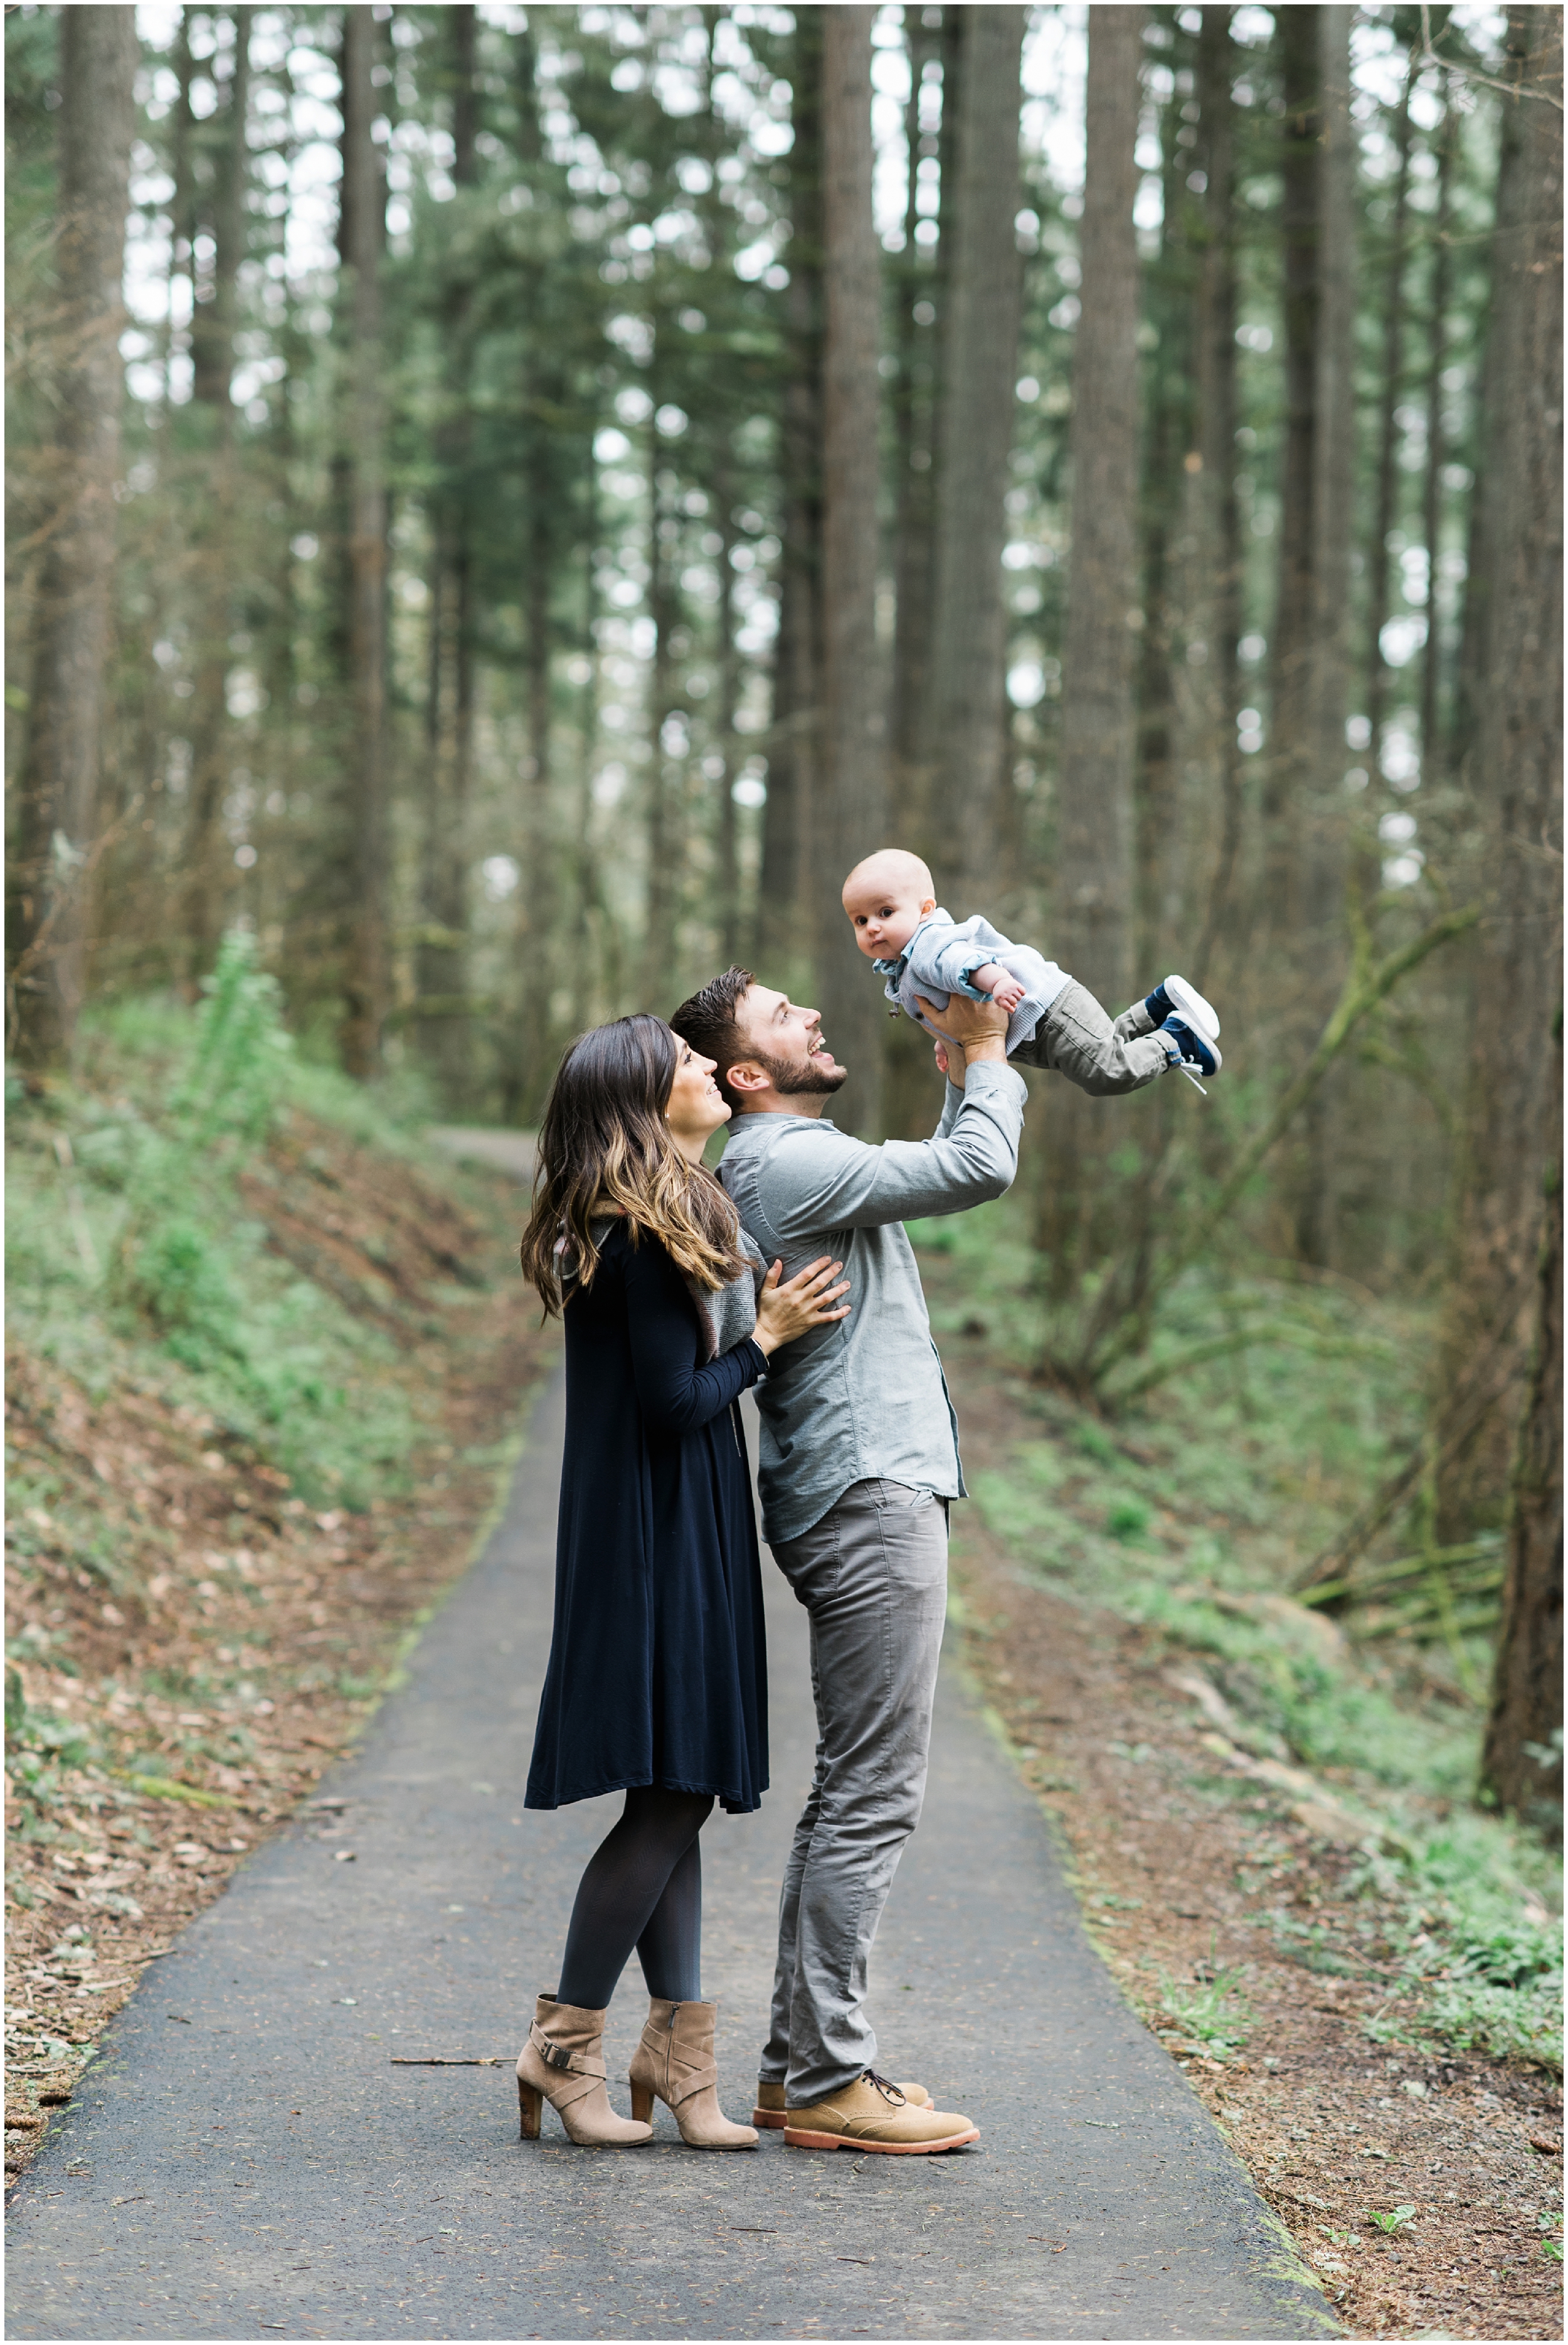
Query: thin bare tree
1512, 779
208, 872
362, 236
1321, 826
49, 919
1522, 1760
1217, 530
440, 964
1386, 498
786, 904
966, 702
1092, 932
851, 806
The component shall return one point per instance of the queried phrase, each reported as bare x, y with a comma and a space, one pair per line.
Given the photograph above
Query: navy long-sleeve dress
658, 1665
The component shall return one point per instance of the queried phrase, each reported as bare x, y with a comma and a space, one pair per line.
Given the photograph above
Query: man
859, 1461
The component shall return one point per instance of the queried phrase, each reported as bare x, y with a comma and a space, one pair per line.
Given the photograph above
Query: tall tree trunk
1171, 489
923, 281
1386, 504
664, 793
440, 962
729, 866
182, 202
1219, 523
967, 702
1513, 779
213, 308
602, 939
786, 908
720, 766
1094, 877
1522, 1762
1432, 497
51, 886
209, 871
919, 282
1286, 768
1324, 826
851, 812
367, 977
541, 888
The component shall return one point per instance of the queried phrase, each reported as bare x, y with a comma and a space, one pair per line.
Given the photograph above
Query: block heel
530, 2108
641, 2102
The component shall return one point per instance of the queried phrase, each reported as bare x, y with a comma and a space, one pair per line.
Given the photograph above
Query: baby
1052, 1021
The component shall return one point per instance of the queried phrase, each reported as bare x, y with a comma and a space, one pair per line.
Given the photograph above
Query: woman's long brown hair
606, 1148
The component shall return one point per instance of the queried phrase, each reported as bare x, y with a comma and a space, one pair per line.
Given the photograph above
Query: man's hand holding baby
977, 1028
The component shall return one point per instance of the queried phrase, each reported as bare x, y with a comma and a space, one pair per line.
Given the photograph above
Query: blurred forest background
507, 504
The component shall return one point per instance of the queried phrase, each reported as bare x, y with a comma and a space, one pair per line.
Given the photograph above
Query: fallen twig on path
444, 2060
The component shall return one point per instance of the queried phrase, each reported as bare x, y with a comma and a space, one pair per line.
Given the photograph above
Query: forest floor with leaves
1322, 1933
194, 1631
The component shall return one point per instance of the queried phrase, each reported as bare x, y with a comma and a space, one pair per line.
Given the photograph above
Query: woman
657, 1683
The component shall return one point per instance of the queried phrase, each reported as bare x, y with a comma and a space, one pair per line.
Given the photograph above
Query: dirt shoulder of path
134, 1797
1181, 1864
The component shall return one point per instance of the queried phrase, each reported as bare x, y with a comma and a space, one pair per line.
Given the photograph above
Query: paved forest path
244, 2160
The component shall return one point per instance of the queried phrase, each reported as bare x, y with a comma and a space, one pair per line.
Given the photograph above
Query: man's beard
792, 1079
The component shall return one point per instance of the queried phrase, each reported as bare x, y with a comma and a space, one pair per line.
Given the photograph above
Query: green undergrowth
1192, 1509
132, 1255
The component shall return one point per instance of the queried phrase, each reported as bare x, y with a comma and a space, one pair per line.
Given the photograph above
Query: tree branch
1365, 987
1469, 73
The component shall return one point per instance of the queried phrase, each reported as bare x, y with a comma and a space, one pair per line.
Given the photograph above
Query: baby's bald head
891, 868
886, 897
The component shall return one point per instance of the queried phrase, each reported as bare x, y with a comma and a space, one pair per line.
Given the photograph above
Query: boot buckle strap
561, 2056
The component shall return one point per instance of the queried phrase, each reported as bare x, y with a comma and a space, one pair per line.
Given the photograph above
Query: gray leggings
1076, 1037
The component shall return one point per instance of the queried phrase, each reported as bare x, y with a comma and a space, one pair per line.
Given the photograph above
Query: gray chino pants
873, 1576
1077, 1039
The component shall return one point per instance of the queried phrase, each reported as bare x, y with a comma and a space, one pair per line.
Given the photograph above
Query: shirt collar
773, 1123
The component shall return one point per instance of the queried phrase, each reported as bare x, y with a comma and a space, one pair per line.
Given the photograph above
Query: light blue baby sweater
938, 960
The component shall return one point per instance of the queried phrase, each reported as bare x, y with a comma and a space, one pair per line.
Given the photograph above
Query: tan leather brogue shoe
770, 2110
873, 2116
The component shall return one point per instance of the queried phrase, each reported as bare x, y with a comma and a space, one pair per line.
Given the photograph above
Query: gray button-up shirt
866, 1398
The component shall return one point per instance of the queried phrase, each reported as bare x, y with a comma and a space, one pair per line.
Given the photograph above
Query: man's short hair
709, 1024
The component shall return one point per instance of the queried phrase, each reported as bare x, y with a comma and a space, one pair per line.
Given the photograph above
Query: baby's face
884, 916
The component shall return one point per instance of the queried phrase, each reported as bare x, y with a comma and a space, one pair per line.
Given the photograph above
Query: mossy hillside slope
265, 1362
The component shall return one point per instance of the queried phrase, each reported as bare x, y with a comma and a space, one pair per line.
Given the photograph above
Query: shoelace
1174, 1058
889, 2091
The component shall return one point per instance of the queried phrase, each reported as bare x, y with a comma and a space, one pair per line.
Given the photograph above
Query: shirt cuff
985, 1074
972, 992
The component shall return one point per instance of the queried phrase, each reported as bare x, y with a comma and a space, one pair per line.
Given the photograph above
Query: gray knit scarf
729, 1316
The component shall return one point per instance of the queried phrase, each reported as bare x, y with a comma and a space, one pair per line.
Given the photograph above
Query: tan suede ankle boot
562, 2062
675, 2060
